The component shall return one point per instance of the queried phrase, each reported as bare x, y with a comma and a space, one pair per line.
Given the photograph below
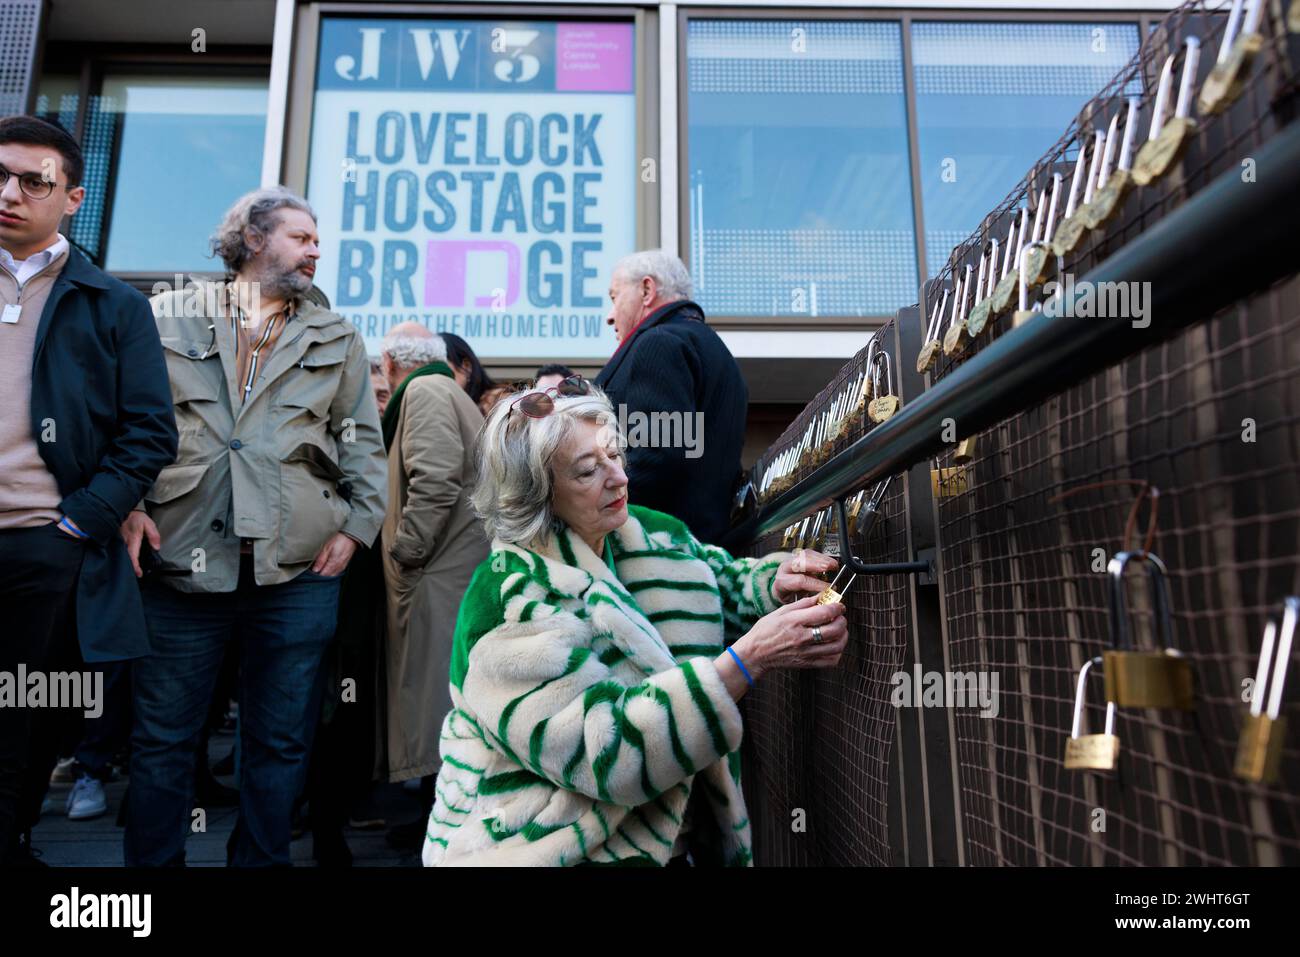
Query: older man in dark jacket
87, 429
678, 392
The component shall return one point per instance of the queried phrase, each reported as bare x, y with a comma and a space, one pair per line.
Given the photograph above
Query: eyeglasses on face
34, 185
537, 405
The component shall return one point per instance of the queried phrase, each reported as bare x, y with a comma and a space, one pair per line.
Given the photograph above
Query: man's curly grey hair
515, 481
411, 352
255, 213
669, 273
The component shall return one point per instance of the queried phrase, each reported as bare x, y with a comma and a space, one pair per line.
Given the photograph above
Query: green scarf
394, 409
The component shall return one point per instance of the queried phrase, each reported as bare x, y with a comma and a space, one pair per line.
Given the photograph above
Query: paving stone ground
98, 842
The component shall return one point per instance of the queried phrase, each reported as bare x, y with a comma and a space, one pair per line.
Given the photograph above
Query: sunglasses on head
537, 405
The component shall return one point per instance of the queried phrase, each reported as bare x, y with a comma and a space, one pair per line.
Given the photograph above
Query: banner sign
477, 176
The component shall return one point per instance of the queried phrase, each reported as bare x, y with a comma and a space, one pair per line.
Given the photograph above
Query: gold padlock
1004, 293
1037, 258
965, 450
885, 403
1114, 186
1161, 678
1236, 52
853, 510
1090, 752
1167, 140
1259, 751
979, 313
1074, 224
984, 311
948, 482
930, 349
956, 339
828, 596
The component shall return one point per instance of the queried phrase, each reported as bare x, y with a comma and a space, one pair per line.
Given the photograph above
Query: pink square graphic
593, 57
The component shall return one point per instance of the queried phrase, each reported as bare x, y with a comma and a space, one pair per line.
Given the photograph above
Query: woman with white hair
599, 654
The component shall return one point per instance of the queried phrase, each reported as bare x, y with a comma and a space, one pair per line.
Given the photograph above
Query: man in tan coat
432, 540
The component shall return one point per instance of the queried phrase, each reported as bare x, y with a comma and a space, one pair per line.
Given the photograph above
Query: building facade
481, 166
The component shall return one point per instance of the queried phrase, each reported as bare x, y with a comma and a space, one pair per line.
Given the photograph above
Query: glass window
56, 99
165, 157
990, 98
800, 184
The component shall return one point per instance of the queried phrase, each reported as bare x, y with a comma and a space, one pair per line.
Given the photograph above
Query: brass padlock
1073, 227
801, 536
1004, 293
1090, 752
980, 312
965, 450
1167, 140
1038, 255
956, 339
1114, 186
885, 403
948, 482
1236, 52
930, 349
1259, 751
983, 312
1161, 678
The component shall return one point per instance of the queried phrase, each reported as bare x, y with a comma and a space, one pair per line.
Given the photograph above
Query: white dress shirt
24, 269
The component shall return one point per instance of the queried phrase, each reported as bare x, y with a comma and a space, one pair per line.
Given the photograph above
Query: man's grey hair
515, 481
411, 352
257, 213
668, 272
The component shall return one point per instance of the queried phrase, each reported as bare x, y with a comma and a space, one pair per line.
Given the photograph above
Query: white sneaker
63, 772
86, 799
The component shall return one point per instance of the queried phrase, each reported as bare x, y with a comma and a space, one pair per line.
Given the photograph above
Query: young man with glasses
86, 429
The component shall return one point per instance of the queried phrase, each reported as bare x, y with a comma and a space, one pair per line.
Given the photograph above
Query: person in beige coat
431, 540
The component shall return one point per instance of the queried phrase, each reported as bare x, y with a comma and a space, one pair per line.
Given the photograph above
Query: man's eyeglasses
34, 185
538, 405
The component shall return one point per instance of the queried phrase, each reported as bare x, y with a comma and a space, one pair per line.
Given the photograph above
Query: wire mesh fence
1189, 448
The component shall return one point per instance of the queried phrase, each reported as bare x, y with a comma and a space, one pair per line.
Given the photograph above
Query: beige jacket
301, 459
432, 542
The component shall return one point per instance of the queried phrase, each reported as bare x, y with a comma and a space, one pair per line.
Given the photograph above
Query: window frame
91, 61
905, 17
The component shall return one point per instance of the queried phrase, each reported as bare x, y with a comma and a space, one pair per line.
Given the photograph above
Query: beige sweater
29, 495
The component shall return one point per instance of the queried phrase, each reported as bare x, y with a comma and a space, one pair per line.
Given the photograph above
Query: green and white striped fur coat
586, 707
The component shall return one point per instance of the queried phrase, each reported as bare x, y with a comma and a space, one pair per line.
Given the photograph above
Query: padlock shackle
1076, 181
1080, 695
1191, 58
1130, 134
1278, 663
1229, 32
1108, 157
1164, 87
1157, 573
874, 362
1051, 207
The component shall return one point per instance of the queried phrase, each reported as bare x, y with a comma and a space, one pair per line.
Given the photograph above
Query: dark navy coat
673, 362
102, 419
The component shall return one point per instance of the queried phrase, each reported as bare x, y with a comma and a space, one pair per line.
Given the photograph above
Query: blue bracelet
743, 669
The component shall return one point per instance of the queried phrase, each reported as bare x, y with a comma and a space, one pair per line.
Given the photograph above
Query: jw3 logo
453, 55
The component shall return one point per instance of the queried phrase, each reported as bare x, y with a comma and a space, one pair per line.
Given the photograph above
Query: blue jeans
282, 631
